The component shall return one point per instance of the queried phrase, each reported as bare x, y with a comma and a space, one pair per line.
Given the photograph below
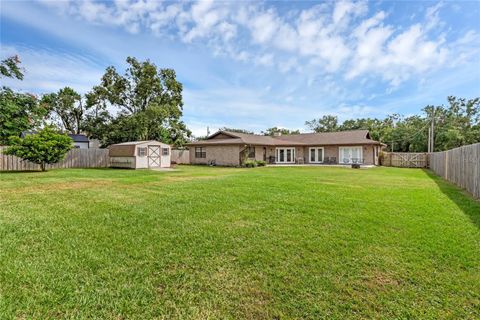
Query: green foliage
18, 112
279, 131
261, 163
250, 163
254, 163
327, 123
236, 130
45, 147
10, 68
67, 106
149, 100
455, 125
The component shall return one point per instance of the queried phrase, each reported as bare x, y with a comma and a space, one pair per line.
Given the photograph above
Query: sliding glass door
316, 155
351, 155
285, 155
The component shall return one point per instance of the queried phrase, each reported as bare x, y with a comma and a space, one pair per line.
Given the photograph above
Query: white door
153, 156
316, 155
165, 162
285, 155
351, 155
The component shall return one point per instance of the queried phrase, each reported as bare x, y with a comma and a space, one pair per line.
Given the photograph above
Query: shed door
153, 156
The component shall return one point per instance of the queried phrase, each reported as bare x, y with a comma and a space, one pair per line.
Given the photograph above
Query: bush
254, 163
261, 163
250, 164
45, 147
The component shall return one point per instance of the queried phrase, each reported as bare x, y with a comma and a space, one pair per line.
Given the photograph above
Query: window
251, 152
351, 154
164, 151
200, 152
316, 155
142, 152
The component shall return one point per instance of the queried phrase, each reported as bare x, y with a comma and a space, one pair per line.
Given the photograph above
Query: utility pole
432, 135
429, 140
208, 131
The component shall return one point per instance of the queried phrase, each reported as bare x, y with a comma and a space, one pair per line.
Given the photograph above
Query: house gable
221, 135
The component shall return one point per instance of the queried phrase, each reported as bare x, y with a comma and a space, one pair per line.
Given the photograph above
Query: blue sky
255, 65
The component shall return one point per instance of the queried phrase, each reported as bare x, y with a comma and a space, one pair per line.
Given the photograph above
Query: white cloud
47, 71
345, 37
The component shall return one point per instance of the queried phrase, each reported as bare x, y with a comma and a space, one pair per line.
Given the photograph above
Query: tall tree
236, 130
67, 105
327, 123
149, 100
18, 111
276, 131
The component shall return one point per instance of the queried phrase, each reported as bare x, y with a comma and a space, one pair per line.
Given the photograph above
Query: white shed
140, 155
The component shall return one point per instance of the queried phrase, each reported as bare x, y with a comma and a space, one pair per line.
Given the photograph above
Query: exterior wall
80, 145
222, 155
122, 162
334, 151
368, 155
328, 151
142, 162
229, 155
259, 153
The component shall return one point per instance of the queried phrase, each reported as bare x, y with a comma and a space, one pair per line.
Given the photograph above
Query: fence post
446, 165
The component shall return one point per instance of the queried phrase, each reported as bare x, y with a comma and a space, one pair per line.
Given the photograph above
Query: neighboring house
140, 155
232, 148
80, 141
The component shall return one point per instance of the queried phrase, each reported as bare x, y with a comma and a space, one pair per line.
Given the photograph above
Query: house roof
353, 137
78, 137
75, 137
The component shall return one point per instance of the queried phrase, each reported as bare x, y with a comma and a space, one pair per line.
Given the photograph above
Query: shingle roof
132, 143
78, 137
353, 137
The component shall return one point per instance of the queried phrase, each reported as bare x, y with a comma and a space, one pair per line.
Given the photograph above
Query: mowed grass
225, 243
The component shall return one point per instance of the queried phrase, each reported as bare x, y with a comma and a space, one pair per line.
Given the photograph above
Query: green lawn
264, 243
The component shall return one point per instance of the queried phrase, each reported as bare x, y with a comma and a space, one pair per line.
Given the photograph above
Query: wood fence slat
180, 156
460, 166
75, 158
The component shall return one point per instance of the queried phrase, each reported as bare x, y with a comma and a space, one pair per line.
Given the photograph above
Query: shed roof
128, 143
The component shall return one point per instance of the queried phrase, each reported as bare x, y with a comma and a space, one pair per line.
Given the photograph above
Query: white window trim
277, 154
345, 147
316, 154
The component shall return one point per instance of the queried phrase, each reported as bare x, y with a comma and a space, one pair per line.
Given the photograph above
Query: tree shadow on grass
461, 198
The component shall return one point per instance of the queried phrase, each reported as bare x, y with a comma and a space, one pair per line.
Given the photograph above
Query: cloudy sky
255, 65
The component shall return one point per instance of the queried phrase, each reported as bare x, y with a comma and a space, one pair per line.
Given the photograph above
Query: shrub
45, 147
261, 163
250, 164
254, 163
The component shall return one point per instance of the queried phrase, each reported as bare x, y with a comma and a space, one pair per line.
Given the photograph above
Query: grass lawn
264, 243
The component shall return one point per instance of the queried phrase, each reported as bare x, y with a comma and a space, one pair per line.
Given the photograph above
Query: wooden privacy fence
75, 158
180, 156
460, 166
405, 159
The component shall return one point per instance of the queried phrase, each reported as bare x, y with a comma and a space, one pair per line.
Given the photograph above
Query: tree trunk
42, 166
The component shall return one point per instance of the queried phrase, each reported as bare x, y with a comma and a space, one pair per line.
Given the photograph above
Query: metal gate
154, 156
